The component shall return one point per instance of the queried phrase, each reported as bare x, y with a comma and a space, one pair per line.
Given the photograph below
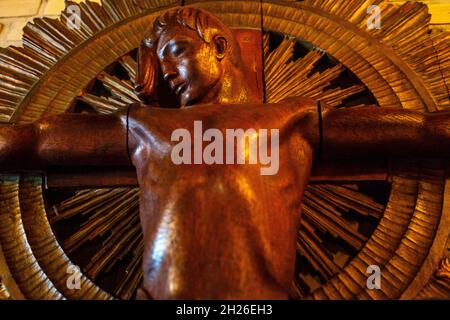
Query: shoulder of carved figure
130, 111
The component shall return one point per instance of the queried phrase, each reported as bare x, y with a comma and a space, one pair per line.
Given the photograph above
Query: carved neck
231, 88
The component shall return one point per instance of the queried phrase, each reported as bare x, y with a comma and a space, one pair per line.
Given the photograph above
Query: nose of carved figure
168, 73
170, 76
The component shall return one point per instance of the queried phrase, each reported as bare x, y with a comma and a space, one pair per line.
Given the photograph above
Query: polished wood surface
260, 269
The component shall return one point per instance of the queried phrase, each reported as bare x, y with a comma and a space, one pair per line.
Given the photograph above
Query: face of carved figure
191, 66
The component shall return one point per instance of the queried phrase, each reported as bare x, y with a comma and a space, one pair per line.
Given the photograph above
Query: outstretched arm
66, 140
374, 132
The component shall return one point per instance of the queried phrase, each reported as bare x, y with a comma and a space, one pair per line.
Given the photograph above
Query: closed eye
178, 48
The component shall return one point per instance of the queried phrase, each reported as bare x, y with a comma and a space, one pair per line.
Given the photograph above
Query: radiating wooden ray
102, 105
130, 66
127, 229
286, 77
31, 279
85, 202
105, 217
324, 207
46, 249
121, 89
310, 246
439, 285
317, 210
134, 276
398, 245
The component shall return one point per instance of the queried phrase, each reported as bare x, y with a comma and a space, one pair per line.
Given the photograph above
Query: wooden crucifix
217, 229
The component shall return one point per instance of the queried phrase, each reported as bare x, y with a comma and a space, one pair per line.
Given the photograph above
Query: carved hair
206, 25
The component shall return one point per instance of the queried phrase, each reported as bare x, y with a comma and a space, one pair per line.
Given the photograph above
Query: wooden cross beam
325, 172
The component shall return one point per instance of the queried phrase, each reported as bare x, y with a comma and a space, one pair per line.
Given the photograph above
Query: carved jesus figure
216, 231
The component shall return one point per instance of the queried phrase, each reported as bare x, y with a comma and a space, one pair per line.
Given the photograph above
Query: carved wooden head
193, 50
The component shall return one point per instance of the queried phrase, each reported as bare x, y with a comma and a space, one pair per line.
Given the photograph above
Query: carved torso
200, 219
